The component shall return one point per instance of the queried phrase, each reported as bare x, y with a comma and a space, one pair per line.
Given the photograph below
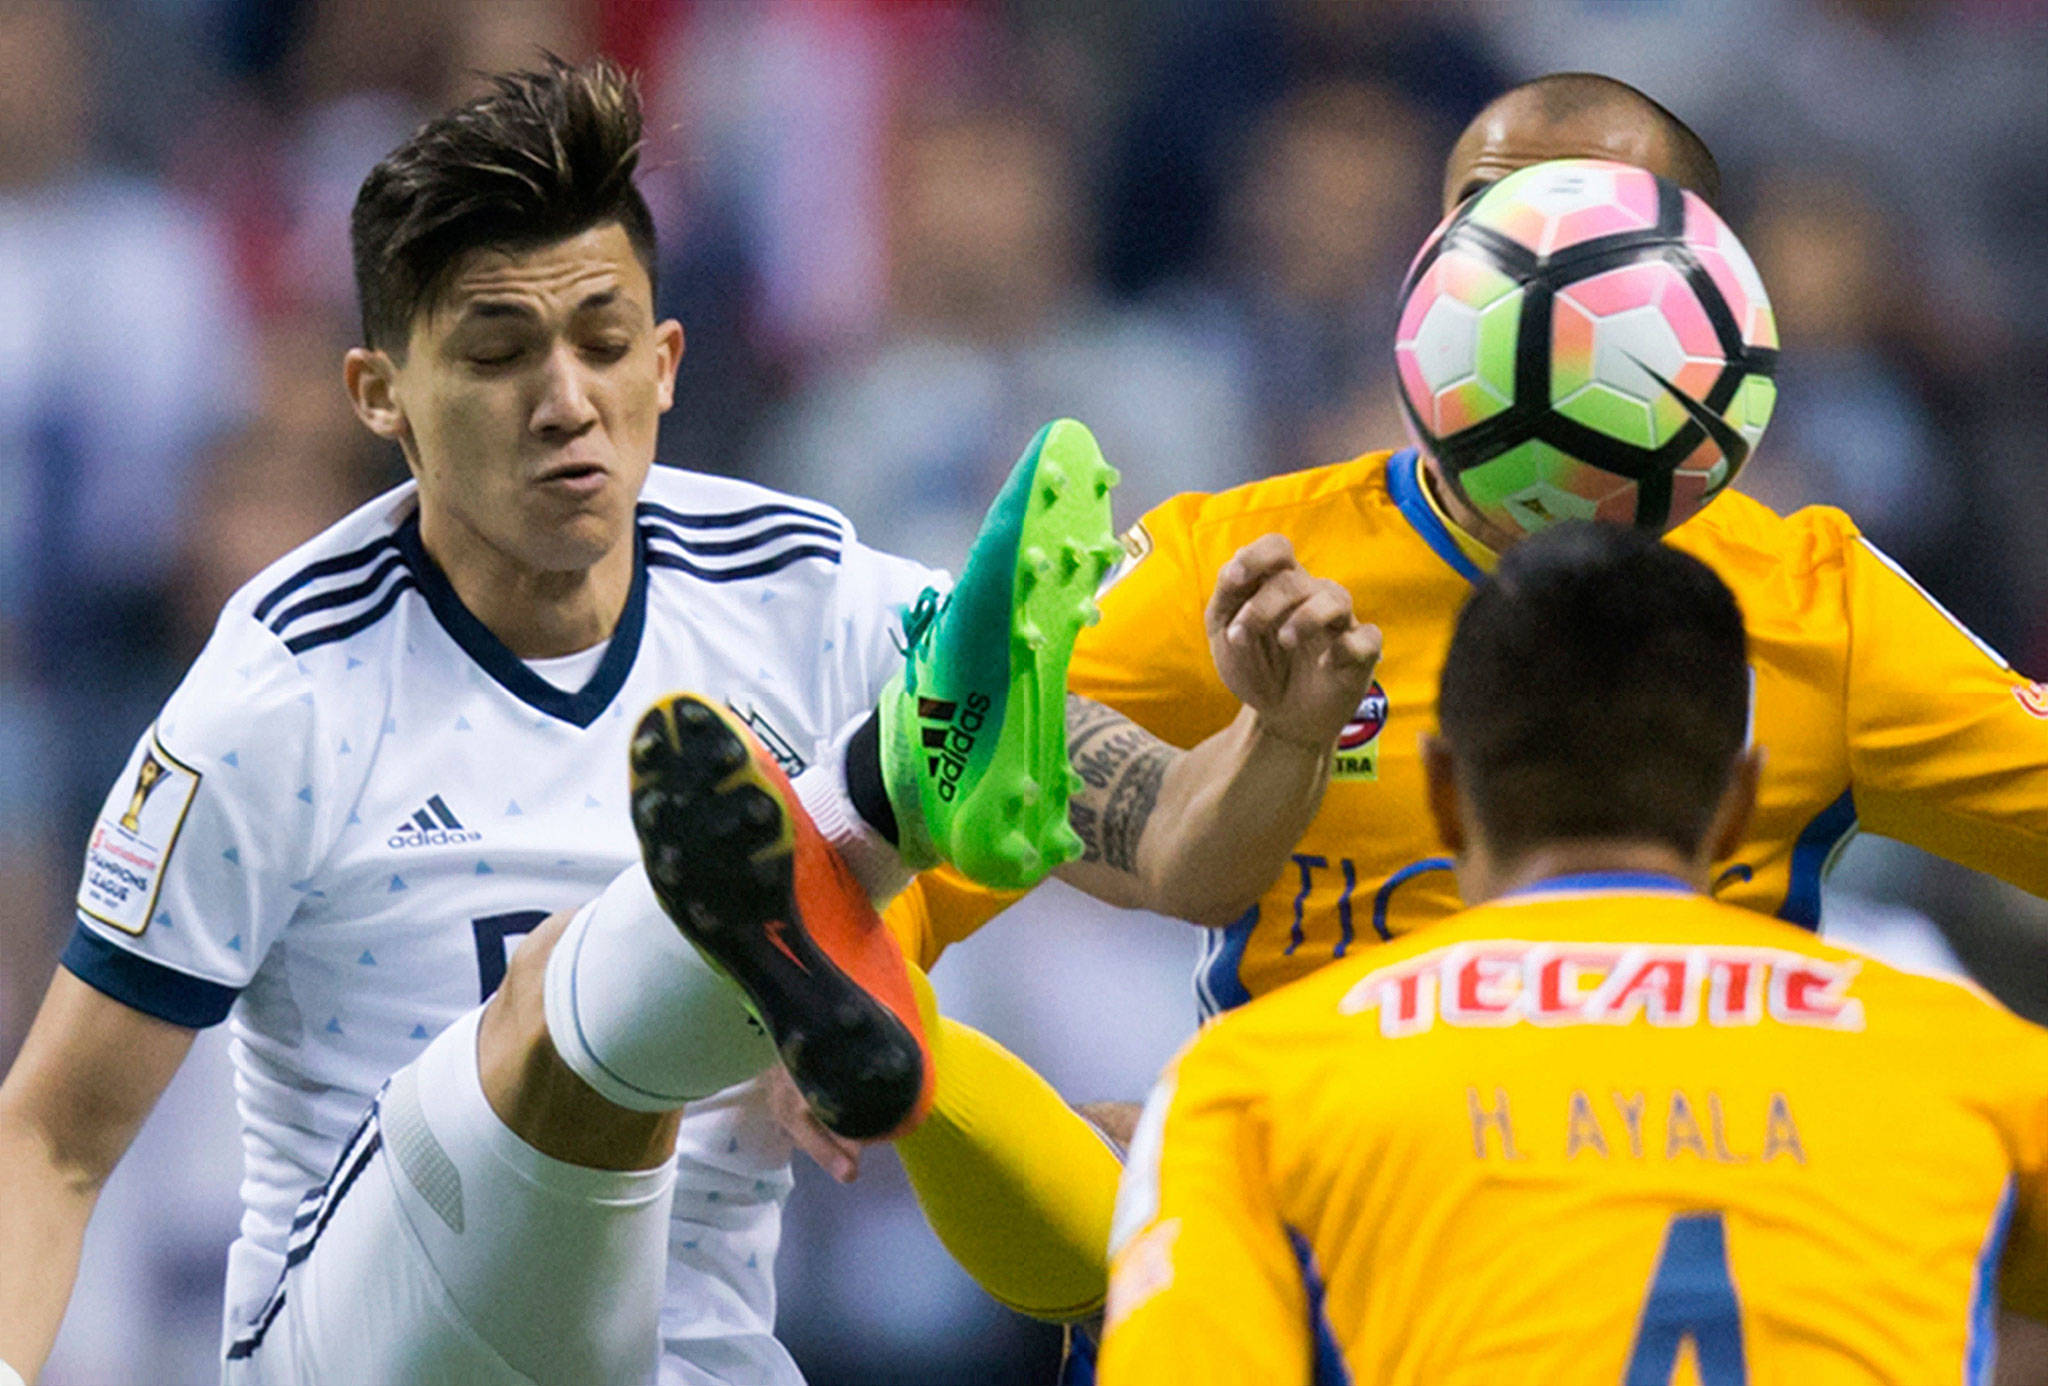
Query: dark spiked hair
544, 155
1597, 688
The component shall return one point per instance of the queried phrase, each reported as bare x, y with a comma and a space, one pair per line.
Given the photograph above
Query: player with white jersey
393, 801
407, 746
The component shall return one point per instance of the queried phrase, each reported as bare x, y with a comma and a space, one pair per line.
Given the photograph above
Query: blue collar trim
1579, 882
1404, 480
580, 708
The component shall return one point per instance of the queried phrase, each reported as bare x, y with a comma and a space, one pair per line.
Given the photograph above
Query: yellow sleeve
2023, 1268
1204, 1283
1149, 655
1948, 746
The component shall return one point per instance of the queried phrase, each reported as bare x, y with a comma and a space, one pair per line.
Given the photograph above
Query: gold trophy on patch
146, 779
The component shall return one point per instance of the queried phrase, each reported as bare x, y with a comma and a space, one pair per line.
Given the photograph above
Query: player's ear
1439, 772
668, 354
1731, 820
370, 377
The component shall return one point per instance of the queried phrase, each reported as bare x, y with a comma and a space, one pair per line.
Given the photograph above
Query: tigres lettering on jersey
1605, 1130
1874, 708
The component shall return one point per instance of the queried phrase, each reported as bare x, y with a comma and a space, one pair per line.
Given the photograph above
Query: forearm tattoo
1121, 767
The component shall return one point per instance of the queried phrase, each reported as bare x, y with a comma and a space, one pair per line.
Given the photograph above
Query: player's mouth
574, 478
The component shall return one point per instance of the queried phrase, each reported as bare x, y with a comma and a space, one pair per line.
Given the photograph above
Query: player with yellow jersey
1874, 707
1600, 1128
1877, 709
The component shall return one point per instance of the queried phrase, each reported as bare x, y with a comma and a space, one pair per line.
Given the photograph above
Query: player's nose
564, 405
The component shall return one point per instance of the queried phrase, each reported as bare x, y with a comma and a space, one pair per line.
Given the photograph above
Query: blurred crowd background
899, 236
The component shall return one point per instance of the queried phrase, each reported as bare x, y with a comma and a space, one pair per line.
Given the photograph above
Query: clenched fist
1289, 645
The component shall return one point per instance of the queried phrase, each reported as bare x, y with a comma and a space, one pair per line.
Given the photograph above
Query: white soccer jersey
358, 799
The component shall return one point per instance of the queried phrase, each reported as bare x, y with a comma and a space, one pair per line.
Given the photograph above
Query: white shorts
443, 1249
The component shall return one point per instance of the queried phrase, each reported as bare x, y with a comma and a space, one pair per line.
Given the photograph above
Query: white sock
872, 858
639, 1015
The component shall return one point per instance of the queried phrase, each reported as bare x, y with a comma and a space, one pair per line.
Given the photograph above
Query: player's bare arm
1198, 834
89, 1072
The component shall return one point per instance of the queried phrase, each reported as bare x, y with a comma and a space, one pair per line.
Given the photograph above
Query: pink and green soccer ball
1585, 340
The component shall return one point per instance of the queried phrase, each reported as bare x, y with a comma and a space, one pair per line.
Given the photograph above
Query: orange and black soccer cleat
743, 872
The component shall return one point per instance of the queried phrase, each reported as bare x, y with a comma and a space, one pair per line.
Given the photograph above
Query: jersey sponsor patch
124, 859
1358, 744
1514, 982
2033, 696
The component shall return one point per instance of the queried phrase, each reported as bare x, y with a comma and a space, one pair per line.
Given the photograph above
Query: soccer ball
1585, 340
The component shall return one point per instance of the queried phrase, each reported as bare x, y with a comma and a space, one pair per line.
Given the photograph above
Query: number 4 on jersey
1691, 1296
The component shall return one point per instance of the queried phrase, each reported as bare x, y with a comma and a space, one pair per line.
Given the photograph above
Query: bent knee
526, 971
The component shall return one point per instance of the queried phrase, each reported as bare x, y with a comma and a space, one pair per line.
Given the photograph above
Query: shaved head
1577, 115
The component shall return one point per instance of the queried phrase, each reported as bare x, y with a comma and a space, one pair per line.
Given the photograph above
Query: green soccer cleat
974, 730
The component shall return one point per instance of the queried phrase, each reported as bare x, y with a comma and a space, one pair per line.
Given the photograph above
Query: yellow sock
1017, 1185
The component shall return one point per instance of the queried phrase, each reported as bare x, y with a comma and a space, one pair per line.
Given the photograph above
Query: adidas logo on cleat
948, 736
433, 824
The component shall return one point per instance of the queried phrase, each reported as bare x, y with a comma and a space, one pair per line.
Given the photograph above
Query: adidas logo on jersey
949, 737
433, 824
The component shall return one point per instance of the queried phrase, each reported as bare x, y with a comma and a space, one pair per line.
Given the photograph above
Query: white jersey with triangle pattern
358, 801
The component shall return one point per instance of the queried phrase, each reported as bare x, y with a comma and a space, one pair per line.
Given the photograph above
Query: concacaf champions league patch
124, 861
1358, 745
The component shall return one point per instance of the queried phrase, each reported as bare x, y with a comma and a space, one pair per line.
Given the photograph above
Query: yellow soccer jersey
1603, 1131
1874, 708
